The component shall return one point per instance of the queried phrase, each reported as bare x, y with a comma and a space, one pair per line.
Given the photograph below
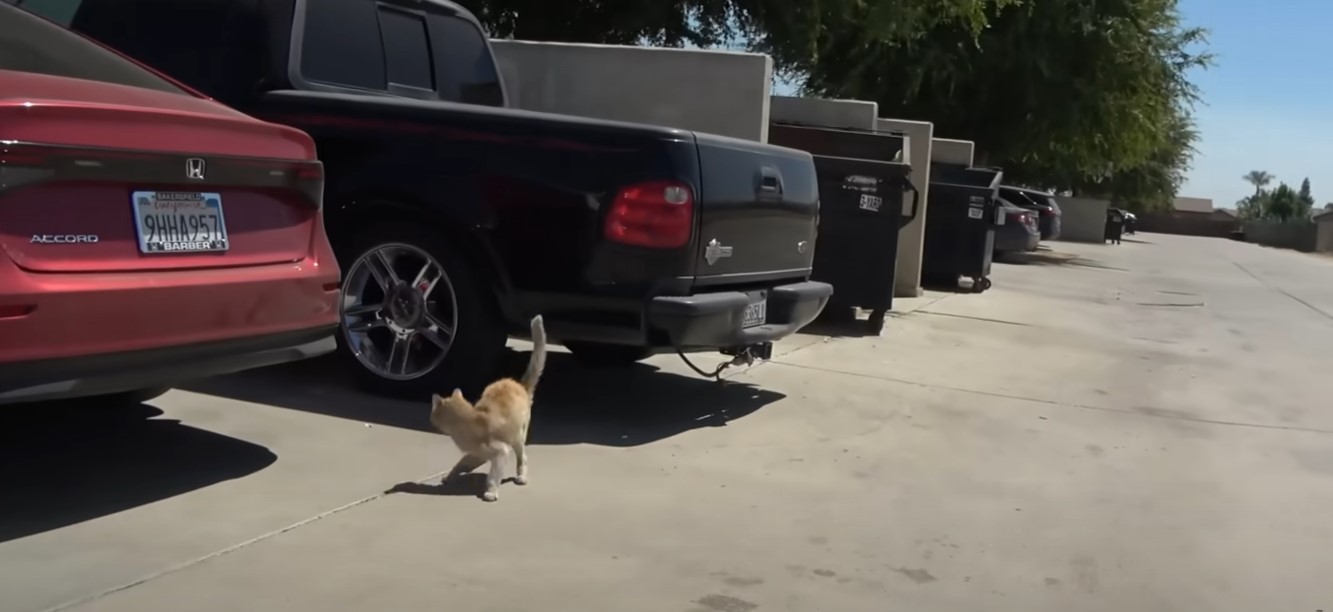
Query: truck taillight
655, 214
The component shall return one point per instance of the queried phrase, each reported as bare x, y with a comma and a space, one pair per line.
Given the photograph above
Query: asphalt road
1147, 427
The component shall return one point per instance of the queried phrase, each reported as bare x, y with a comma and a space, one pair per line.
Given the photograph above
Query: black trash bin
862, 207
961, 215
1115, 225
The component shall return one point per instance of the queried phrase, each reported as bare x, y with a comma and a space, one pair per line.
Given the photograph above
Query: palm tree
1259, 179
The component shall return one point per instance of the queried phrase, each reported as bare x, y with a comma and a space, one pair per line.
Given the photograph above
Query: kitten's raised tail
537, 362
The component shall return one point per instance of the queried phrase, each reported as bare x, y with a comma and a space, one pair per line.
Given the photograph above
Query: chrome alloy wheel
399, 311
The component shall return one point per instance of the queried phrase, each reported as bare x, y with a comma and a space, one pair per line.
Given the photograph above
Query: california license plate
179, 222
756, 312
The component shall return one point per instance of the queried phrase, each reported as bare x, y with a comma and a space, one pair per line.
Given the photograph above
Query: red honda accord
148, 235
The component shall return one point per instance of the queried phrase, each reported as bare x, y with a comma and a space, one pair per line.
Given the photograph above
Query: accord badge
64, 239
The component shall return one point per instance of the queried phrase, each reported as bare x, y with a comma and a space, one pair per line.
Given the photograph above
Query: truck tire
607, 355
414, 319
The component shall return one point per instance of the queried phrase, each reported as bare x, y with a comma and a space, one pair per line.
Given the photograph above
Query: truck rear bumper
714, 320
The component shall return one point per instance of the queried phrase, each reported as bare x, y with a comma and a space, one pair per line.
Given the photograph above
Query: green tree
1304, 200
1282, 203
1152, 185
1259, 179
1251, 207
1058, 92
788, 29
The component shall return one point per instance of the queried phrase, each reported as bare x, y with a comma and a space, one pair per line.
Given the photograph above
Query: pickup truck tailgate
758, 212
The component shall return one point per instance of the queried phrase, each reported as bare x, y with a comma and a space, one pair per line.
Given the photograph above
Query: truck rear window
341, 44
469, 67
406, 49
33, 44
371, 45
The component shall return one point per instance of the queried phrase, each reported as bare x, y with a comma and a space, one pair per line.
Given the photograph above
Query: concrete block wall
1324, 235
719, 92
911, 240
1185, 224
950, 151
821, 112
1298, 235
1082, 219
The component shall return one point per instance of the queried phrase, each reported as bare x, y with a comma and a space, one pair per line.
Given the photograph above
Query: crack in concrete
1152, 415
1173, 304
225, 551
958, 316
1265, 283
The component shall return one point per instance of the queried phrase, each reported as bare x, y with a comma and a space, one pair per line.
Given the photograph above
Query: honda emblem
194, 168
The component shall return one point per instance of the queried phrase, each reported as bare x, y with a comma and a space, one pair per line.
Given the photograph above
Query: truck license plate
756, 313
179, 222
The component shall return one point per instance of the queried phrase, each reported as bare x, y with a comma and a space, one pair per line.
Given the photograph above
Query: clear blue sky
1267, 101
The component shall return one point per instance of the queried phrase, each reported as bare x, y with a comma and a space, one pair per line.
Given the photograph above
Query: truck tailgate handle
770, 183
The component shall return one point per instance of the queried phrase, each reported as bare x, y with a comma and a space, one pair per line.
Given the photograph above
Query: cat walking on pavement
496, 426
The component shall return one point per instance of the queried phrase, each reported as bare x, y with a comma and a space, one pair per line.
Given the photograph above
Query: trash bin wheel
980, 284
875, 324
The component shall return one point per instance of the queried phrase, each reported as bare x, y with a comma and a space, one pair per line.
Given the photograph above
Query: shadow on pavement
466, 485
1047, 257
575, 404
69, 462
839, 327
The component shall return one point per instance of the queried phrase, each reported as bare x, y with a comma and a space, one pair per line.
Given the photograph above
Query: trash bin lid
838, 142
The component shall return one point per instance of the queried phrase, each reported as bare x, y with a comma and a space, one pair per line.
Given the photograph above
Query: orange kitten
497, 424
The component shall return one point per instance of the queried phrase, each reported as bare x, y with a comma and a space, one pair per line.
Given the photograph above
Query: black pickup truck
456, 219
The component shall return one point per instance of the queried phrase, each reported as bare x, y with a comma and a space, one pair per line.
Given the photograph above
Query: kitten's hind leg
521, 461
466, 464
496, 474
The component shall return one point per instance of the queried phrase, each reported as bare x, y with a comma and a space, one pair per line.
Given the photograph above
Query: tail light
654, 214
25, 163
309, 180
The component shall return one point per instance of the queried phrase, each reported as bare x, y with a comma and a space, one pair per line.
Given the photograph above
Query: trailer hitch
740, 355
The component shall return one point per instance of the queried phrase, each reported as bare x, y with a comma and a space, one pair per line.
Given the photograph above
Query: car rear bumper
80, 314
1050, 228
71, 377
713, 320
1009, 240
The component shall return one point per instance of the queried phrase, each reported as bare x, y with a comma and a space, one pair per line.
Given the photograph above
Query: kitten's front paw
490, 496
520, 480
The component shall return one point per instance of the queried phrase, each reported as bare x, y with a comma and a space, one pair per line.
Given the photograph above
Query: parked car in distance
1048, 210
148, 235
457, 219
1019, 231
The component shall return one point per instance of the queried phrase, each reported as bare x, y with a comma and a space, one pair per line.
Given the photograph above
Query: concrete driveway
1147, 427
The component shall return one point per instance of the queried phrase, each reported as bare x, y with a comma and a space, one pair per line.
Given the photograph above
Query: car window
33, 44
468, 68
341, 44
1018, 198
406, 50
